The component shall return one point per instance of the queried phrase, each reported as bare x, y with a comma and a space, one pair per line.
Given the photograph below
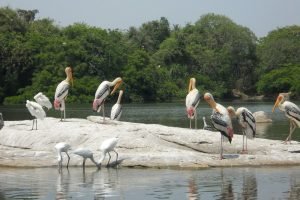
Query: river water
125, 183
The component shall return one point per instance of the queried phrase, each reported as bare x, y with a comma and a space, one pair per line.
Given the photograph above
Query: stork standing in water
246, 121
102, 93
61, 93
192, 100
220, 119
107, 146
292, 112
116, 110
36, 110
85, 154
62, 147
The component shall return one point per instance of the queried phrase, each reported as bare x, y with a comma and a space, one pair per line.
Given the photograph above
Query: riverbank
140, 145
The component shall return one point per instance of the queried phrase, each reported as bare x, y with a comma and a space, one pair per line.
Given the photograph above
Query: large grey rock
140, 145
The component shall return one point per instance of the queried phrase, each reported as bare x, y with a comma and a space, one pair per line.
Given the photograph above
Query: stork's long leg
32, 124
221, 148
195, 118
117, 156
190, 123
108, 159
35, 123
83, 163
103, 111
292, 129
68, 160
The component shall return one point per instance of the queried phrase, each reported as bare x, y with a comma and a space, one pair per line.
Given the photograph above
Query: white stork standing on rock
85, 154
61, 92
116, 110
220, 119
192, 100
36, 110
246, 121
292, 112
102, 93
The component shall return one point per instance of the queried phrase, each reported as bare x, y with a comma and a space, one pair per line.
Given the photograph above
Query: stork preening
102, 93
61, 93
292, 112
106, 147
246, 121
43, 100
221, 120
192, 100
36, 110
116, 110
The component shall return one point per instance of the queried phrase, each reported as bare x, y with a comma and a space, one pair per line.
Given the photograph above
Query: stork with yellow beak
61, 92
291, 111
192, 100
102, 93
220, 119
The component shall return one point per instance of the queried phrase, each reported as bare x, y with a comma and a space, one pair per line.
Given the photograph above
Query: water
136, 184
126, 183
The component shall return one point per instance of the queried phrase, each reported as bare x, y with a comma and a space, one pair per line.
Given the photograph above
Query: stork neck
101, 158
93, 160
120, 97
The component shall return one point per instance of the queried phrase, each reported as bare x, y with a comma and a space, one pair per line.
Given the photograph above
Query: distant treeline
155, 60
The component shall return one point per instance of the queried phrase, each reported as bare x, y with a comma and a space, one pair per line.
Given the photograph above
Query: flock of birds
221, 117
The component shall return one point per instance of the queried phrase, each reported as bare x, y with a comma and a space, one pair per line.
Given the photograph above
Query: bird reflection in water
249, 190
294, 192
193, 192
62, 185
226, 188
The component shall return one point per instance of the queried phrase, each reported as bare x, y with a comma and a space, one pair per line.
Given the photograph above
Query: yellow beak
116, 86
276, 104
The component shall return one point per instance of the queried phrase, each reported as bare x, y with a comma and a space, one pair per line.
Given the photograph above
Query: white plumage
192, 100
220, 120
246, 121
62, 91
43, 100
36, 111
85, 154
62, 147
102, 93
116, 110
292, 112
107, 146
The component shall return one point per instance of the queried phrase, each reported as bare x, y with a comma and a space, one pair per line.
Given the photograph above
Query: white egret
116, 110
192, 100
292, 112
220, 120
85, 154
62, 147
36, 111
61, 92
107, 146
246, 121
103, 92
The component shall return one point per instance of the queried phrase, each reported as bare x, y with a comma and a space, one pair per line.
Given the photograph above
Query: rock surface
140, 145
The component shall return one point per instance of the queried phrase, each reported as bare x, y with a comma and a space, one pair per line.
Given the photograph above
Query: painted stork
62, 147
102, 93
192, 100
246, 121
61, 93
221, 120
116, 110
36, 110
107, 146
292, 112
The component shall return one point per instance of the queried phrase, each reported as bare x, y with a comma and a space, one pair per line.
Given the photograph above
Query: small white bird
116, 110
246, 121
220, 119
36, 111
85, 154
107, 146
62, 147
1, 121
103, 92
192, 100
292, 112
43, 100
61, 92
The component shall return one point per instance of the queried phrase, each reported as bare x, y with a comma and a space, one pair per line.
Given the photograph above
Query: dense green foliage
154, 60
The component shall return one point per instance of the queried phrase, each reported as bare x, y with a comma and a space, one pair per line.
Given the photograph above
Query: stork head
231, 111
279, 100
192, 84
210, 100
69, 74
117, 82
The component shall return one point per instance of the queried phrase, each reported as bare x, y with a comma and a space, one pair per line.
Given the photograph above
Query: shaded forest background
155, 60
